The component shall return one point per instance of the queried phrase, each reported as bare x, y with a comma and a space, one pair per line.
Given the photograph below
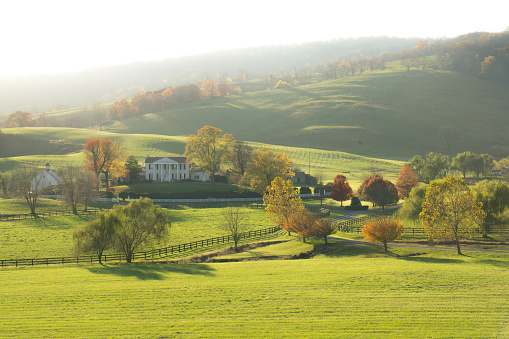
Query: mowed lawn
53, 236
342, 295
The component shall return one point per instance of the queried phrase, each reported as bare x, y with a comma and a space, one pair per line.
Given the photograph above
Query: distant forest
39, 93
483, 55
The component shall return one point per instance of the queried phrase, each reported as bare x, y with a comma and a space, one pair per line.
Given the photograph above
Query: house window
174, 176
158, 166
158, 176
196, 177
165, 167
149, 166
182, 175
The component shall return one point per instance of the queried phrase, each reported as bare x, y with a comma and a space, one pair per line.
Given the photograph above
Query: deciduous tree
300, 222
19, 119
242, 154
412, 206
233, 223
406, 181
463, 162
101, 156
26, 184
209, 148
450, 211
361, 191
323, 228
266, 165
383, 229
97, 236
381, 192
281, 201
494, 199
340, 189
137, 224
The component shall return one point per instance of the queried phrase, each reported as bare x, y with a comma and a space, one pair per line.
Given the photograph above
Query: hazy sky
61, 36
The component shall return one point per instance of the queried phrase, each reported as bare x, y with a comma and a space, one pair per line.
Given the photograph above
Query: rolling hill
392, 114
62, 146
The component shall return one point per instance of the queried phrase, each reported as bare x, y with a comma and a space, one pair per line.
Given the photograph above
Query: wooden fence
146, 255
354, 225
6, 217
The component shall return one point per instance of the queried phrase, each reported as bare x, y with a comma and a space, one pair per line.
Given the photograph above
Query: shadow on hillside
433, 260
152, 271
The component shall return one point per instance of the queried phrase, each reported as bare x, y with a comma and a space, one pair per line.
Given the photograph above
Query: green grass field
324, 163
347, 293
392, 114
52, 236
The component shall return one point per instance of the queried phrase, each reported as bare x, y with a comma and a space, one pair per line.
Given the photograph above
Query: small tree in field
340, 189
450, 211
25, 183
139, 223
96, 236
233, 223
322, 228
382, 230
381, 192
281, 201
406, 181
301, 222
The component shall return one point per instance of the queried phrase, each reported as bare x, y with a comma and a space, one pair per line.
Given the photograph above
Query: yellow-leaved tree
382, 230
450, 211
267, 165
281, 201
209, 148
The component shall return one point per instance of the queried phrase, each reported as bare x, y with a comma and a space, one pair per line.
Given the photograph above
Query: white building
46, 178
171, 169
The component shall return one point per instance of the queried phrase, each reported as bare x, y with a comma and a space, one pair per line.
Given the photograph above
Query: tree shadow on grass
433, 260
152, 271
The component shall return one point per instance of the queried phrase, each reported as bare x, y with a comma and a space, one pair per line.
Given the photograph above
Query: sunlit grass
347, 293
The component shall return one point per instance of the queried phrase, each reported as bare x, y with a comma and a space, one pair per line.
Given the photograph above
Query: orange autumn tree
340, 189
406, 181
301, 222
102, 156
322, 228
382, 230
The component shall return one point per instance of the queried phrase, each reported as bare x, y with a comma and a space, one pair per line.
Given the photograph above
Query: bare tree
233, 224
77, 187
242, 156
26, 183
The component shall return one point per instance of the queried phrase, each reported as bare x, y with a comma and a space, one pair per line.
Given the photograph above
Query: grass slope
326, 163
393, 114
52, 236
342, 295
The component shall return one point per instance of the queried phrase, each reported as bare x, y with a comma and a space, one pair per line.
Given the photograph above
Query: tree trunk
325, 238
458, 245
385, 246
107, 180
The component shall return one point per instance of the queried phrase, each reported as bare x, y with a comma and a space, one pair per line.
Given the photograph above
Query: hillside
392, 114
40, 145
38, 93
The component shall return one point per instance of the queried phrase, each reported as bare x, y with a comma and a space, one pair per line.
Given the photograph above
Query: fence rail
145, 255
6, 217
354, 225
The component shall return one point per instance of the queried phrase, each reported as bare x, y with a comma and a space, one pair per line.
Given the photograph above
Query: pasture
348, 292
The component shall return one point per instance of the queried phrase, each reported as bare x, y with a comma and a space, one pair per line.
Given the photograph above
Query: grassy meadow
324, 163
52, 236
348, 292
393, 114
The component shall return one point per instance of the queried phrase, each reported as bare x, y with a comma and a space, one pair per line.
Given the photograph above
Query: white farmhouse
46, 178
171, 169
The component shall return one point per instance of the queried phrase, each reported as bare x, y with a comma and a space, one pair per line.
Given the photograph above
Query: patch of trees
124, 228
191, 195
485, 55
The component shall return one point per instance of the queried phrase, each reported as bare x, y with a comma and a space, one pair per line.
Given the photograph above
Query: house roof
181, 160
